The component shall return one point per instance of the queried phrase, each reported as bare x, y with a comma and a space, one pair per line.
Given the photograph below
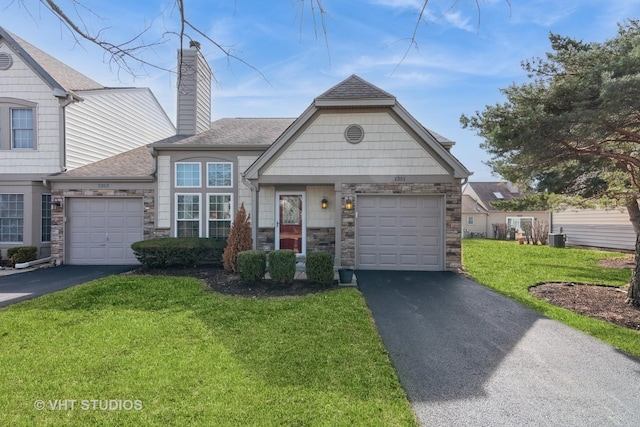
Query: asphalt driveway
30, 284
468, 356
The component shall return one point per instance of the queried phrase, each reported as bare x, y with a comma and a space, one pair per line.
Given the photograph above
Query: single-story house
355, 174
479, 216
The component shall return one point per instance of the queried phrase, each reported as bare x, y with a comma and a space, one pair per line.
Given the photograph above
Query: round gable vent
354, 133
5, 61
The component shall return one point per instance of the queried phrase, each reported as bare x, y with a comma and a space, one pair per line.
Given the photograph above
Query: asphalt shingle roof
486, 192
354, 87
237, 131
133, 163
67, 77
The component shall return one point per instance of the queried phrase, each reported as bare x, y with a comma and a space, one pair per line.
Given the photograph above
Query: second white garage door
101, 230
398, 232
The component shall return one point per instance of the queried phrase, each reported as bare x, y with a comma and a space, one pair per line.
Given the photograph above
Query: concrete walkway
22, 285
468, 356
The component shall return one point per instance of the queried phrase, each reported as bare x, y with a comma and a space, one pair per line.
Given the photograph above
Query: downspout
64, 100
254, 209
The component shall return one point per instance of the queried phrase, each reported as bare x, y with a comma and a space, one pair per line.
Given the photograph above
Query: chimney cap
195, 44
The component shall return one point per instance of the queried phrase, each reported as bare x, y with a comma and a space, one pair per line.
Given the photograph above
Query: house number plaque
400, 179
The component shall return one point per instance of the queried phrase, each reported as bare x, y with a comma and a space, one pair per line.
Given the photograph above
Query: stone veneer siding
150, 231
318, 239
453, 216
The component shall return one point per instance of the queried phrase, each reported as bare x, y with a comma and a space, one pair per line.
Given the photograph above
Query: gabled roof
233, 133
488, 192
470, 205
60, 77
356, 92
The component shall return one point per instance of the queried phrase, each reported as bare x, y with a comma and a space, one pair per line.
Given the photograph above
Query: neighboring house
355, 174
479, 215
597, 228
54, 119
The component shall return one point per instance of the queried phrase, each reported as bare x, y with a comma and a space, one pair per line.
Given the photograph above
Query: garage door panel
101, 230
400, 232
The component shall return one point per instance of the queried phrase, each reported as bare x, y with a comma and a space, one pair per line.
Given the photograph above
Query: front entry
290, 226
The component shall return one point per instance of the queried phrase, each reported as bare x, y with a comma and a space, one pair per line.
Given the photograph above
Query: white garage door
101, 230
399, 232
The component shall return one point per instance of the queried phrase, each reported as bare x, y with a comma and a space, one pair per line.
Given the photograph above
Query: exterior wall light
56, 203
348, 203
324, 202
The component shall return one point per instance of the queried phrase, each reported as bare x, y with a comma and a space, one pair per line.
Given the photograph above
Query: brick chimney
194, 91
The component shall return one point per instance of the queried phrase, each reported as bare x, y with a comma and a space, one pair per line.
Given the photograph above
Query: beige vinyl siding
244, 192
109, 122
316, 216
21, 82
163, 206
267, 207
387, 149
480, 224
596, 228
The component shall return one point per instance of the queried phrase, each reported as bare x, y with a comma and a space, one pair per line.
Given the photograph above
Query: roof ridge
354, 86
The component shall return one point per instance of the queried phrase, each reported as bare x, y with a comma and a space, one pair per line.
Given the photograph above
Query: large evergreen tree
574, 127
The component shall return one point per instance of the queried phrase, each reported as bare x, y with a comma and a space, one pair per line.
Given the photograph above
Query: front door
290, 227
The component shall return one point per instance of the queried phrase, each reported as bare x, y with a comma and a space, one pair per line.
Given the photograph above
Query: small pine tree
239, 240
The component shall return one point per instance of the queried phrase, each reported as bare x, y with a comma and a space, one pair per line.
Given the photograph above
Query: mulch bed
231, 284
602, 302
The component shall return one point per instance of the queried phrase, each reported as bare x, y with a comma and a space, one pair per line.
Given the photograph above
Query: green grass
512, 269
192, 357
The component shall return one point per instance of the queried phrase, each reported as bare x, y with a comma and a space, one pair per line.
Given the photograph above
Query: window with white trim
45, 210
470, 220
519, 223
187, 215
219, 212
11, 218
220, 174
17, 124
188, 175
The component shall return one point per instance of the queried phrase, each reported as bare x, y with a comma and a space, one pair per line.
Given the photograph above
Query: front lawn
512, 269
140, 350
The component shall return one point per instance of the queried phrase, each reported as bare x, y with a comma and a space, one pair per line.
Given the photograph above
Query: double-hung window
17, 124
45, 231
188, 215
11, 218
219, 213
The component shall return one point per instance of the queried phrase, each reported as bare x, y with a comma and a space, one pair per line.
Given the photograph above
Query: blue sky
463, 55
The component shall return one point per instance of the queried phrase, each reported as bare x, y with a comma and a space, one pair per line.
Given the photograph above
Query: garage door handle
106, 237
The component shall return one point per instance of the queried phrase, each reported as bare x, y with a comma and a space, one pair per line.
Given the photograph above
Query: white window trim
471, 220
519, 220
175, 170
199, 219
42, 219
6, 127
231, 210
217, 186
23, 220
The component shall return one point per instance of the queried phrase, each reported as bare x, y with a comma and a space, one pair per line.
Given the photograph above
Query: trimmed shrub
21, 254
178, 251
252, 265
239, 240
282, 265
319, 268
